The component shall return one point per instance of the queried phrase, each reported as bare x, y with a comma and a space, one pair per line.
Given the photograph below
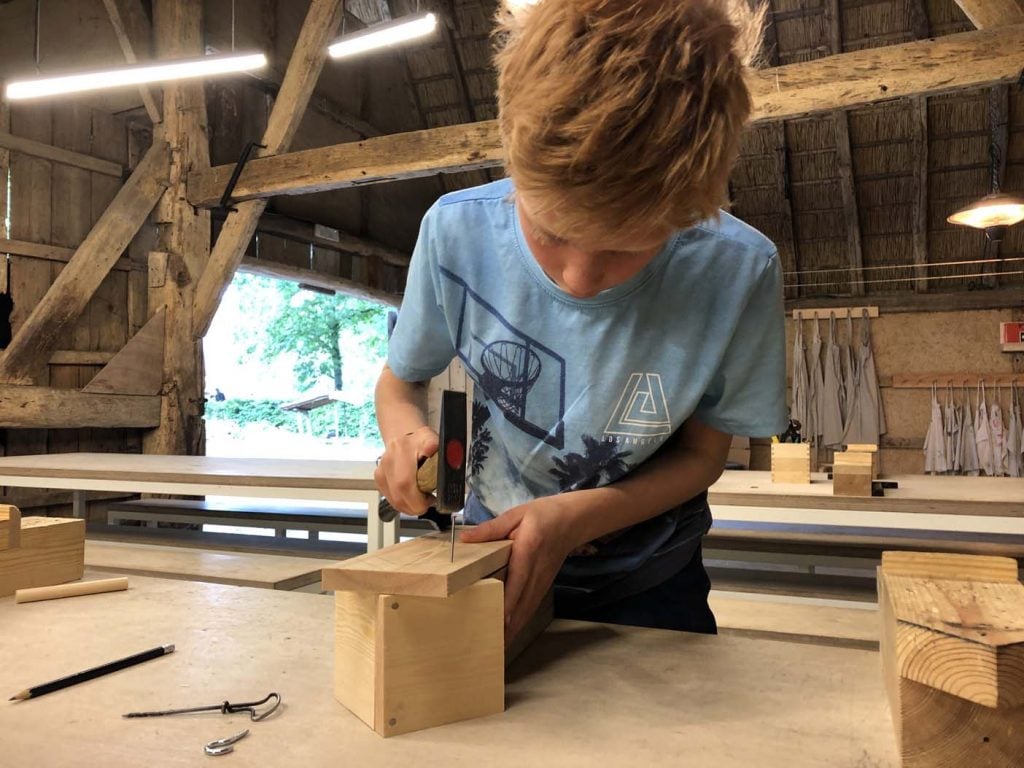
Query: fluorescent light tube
383, 35
134, 75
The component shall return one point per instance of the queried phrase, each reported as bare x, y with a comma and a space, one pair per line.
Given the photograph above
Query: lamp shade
994, 210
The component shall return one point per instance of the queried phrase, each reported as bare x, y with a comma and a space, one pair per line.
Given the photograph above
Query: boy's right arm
402, 416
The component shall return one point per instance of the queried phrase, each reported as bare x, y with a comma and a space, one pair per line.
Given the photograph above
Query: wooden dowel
71, 590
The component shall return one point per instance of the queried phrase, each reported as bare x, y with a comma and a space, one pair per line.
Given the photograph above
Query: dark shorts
680, 603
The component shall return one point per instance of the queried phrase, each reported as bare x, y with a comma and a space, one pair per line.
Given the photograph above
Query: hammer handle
426, 481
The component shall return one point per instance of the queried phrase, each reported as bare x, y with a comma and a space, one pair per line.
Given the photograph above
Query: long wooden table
584, 694
204, 475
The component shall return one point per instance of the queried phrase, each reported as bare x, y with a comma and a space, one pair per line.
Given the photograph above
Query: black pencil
89, 674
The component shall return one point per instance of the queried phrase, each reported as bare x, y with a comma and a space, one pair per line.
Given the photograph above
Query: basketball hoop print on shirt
525, 378
642, 410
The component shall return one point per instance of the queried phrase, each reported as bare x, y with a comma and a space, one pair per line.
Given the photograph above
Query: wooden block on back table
953, 658
852, 474
52, 551
791, 463
10, 527
870, 448
419, 640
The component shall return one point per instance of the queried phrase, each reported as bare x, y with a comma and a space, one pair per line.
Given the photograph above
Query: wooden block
52, 551
953, 659
419, 567
869, 448
852, 474
791, 463
10, 527
404, 663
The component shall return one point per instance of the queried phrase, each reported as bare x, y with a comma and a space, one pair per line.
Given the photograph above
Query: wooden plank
986, 14
242, 569
79, 357
927, 380
846, 183
49, 252
947, 63
304, 69
45, 408
138, 368
51, 552
57, 155
38, 337
280, 271
439, 661
928, 565
419, 567
10, 527
840, 313
134, 35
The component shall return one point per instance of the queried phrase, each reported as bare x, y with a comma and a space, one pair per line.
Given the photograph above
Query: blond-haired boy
619, 328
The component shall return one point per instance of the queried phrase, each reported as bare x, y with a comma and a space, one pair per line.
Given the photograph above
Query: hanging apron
815, 390
849, 371
935, 441
953, 427
866, 421
832, 413
798, 403
981, 435
969, 465
1013, 465
997, 436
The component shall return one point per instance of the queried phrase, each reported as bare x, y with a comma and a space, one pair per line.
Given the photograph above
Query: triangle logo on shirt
642, 410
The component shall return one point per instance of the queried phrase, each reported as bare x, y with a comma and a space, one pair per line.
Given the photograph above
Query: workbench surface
582, 695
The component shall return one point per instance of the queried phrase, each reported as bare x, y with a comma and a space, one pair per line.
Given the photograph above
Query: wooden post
993, 13
184, 239
304, 69
952, 656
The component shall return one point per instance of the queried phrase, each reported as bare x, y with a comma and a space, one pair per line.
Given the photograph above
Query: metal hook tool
227, 708
224, 746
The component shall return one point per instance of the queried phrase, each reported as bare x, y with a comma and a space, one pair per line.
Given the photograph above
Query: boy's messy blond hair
624, 117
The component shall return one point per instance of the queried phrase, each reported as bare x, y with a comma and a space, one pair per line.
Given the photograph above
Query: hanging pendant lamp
993, 213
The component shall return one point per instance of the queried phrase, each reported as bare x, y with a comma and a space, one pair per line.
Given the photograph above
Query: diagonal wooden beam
304, 69
56, 154
135, 35
37, 339
985, 14
845, 163
948, 63
919, 116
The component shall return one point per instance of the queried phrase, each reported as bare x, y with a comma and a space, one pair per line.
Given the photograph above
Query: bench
247, 513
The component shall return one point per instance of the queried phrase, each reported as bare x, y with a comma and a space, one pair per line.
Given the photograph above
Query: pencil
89, 674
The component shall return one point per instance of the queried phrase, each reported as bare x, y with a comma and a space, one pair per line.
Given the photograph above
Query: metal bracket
243, 159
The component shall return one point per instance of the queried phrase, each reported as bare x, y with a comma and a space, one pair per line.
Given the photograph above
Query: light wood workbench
204, 475
584, 694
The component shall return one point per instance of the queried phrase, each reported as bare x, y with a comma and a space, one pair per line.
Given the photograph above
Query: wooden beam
138, 368
985, 14
919, 120
57, 155
23, 407
80, 357
329, 238
5, 167
70, 293
304, 69
952, 301
135, 34
948, 63
49, 252
999, 119
280, 271
781, 155
846, 182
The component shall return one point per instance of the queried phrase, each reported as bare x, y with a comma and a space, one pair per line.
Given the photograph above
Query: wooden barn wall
52, 203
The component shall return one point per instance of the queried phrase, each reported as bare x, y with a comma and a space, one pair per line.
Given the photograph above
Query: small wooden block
869, 448
791, 463
852, 474
10, 527
953, 658
419, 567
52, 551
404, 663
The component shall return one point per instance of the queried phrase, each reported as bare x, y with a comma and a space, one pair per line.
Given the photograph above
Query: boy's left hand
542, 539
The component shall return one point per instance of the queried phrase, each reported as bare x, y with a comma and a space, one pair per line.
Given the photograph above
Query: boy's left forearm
684, 468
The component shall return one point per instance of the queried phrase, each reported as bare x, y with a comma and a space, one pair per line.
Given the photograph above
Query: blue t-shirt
573, 393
